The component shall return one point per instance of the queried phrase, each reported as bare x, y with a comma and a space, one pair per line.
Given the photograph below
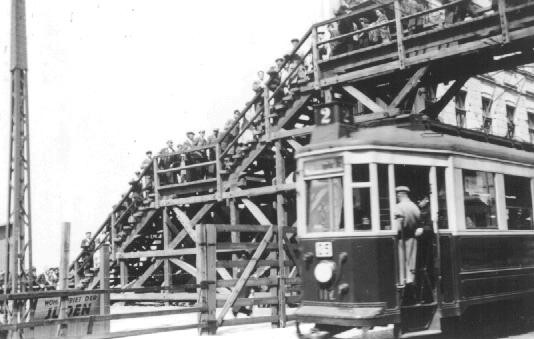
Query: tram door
417, 246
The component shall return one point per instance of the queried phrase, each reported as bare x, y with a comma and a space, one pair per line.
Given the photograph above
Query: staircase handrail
249, 122
107, 221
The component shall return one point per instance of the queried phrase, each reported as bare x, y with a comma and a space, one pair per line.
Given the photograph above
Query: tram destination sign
323, 166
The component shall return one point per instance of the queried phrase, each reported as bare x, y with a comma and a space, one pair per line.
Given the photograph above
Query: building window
510, 114
460, 108
531, 126
486, 114
443, 219
325, 205
479, 199
518, 202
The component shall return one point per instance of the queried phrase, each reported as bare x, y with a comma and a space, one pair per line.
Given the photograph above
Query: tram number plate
323, 249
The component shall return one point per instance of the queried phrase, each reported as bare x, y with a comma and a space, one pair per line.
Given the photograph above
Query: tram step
420, 334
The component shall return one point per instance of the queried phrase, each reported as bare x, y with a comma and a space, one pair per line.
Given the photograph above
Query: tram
476, 245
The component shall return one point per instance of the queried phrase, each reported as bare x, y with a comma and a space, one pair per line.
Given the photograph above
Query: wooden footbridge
220, 216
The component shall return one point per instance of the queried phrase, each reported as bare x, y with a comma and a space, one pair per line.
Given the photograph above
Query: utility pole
18, 276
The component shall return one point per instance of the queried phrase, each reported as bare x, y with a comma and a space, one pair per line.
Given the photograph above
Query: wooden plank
244, 321
504, 21
398, 25
184, 266
156, 254
241, 228
409, 87
257, 301
436, 108
364, 99
177, 169
260, 263
182, 296
256, 212
105, 304
293, 143
246, 272
242, 246
281, 219
148, 272
186, 223
167, 279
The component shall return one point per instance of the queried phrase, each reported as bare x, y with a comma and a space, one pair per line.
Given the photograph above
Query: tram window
361, 199
383, 196
360, 173
443, 222
479, 199
518, 202
325, 205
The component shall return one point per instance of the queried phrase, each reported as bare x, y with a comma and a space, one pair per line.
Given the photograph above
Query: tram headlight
324, 271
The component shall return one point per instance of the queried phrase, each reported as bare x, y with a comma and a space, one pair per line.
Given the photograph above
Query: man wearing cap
147, 179
166, 161
201, 139
407, 216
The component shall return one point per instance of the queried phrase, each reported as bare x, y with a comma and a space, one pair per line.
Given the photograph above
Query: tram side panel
364, 270
494, 267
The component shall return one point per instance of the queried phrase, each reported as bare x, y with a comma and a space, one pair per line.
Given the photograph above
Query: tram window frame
491, 223
331, 228
362, 182
512, 189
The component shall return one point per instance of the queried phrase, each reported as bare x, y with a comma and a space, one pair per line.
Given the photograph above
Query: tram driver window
325, 205
518, 202
479, 199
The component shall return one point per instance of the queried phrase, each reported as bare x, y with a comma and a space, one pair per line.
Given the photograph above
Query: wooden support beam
104, 284
186, 223
206, 258
285, 133
149, 271
167, 279
185, 266
293, 143
256, 212
504, 21
435, 109
281, 220
138, 227
364, 99
156, 254
234, 220
410, 86
244, 276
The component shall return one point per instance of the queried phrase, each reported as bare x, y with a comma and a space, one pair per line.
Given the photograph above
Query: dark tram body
478, 243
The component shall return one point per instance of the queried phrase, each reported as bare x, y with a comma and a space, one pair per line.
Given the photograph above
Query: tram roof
420, 139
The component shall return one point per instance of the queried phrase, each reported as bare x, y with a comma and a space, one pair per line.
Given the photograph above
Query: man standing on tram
407, 215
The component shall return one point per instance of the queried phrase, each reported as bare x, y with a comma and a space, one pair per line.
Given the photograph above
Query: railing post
266, 111
63, 283
206, 278
281, 220
400, 35
156, 180
218, 170
104, 284
504, 21
113, 232
316, 59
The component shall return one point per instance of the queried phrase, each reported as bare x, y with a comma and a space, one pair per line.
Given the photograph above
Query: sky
110, 79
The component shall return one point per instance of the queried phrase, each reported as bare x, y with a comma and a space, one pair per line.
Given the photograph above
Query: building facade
500, 103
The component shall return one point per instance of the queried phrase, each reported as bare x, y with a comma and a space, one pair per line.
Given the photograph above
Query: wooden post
156, 180
123, 265
63, 282
206, 277
400, 35
218, 171
266, 111
113, 232
167, 281
504, 21
76, 275
104, 283
234, 220
281, 220
316, 59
